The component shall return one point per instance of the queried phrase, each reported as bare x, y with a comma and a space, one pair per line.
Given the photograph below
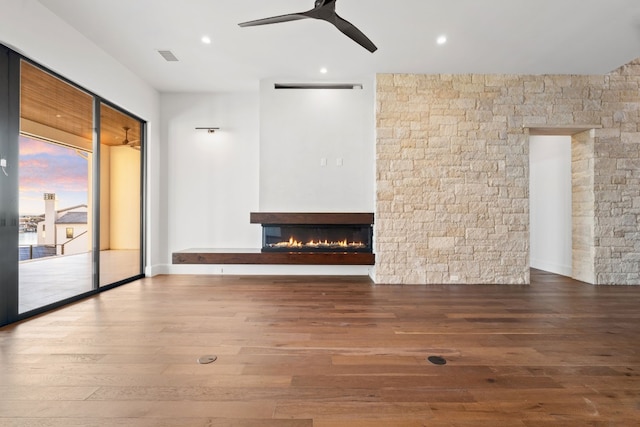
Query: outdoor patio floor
48, 280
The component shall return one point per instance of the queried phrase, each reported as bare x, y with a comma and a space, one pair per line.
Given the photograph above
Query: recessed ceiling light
206, 39
324, 70
441, 40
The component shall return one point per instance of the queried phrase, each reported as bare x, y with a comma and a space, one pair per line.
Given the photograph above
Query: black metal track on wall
342, 86
143, 195
9, 134
4, 135
95, 249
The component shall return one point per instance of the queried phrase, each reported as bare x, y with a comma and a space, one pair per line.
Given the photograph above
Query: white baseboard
154, 270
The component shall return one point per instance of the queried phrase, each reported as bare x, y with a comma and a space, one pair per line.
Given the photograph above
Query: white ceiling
484, 36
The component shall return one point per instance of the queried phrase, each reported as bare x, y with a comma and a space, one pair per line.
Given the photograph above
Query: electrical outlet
3, 163
454, 278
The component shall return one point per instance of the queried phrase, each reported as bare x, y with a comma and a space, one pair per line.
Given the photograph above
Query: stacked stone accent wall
453, 173
583, 207
617, 179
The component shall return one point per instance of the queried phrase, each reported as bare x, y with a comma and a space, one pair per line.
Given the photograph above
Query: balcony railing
27, 252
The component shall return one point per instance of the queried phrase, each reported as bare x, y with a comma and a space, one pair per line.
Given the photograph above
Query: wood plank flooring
328, 352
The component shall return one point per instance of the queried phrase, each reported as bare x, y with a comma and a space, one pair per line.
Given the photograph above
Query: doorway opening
562, 202
550, 218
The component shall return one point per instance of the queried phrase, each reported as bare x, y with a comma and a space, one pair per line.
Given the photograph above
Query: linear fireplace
317, 238
298, 239
316, 232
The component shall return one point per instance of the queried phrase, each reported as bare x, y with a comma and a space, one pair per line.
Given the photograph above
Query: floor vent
205, 360
437, 360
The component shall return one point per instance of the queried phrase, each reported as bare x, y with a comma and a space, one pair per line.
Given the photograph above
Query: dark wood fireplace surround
256, 256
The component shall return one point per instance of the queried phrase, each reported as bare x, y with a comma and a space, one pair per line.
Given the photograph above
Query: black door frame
9, 191
9, 134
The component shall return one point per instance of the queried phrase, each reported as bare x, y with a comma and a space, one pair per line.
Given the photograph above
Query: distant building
66, 229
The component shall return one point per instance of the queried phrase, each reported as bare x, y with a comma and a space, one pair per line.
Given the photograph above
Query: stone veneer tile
452, 174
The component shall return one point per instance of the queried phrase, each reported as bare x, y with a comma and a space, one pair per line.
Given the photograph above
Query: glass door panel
120, 196
55, 181
71, 190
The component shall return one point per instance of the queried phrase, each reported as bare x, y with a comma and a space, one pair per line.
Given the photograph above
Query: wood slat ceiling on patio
55, 104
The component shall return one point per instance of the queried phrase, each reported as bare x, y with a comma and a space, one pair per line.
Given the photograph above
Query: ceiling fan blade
326, 11
353, 33
275, 19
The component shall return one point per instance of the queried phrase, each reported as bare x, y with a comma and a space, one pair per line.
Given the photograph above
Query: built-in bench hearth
298, 238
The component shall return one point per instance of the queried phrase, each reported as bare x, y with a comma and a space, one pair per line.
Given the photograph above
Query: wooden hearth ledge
309, 218
256, 256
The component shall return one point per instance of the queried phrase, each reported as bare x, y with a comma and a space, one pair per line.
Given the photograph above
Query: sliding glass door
55, 180
120, 196
71, 191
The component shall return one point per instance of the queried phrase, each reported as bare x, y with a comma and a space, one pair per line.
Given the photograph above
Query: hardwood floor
328, 352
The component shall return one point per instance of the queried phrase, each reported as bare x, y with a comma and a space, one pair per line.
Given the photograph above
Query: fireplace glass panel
317, 238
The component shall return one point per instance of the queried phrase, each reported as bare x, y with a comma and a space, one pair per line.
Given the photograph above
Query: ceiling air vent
318, 86
168, 55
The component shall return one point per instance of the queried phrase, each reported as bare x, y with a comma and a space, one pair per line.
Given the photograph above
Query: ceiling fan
326, 11
135, 144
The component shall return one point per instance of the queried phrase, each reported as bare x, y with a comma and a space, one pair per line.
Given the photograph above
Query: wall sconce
208, 129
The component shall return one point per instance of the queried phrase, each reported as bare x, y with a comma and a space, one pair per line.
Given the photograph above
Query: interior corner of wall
156, 270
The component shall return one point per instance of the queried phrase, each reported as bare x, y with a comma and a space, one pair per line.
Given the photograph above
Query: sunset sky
50, 168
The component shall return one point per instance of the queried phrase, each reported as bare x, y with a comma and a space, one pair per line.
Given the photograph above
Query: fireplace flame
293, 243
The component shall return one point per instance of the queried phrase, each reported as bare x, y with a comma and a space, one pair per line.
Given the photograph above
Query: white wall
105, 197
266, 156
212, 179
550, 203
34, 31
124, 198
299, 128
78, 244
